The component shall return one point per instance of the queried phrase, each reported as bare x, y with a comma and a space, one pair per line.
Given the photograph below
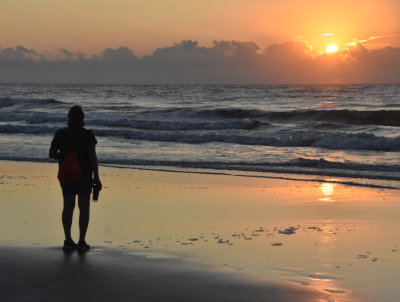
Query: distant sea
342, 133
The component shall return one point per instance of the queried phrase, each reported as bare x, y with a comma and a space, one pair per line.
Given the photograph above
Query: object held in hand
96, 191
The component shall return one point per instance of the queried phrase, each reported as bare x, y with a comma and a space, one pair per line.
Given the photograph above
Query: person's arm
54, 152
94, 165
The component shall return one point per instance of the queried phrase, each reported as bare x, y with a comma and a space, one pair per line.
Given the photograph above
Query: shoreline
324, 237
304, 176
290, 176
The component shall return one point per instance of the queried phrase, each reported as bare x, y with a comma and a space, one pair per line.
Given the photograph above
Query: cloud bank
225, 62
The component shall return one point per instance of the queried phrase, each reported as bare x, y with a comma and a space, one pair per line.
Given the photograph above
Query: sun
332, 48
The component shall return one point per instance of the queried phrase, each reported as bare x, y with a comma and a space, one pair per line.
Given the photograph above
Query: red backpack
69, 170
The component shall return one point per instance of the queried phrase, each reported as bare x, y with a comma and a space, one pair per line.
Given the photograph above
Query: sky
153, 36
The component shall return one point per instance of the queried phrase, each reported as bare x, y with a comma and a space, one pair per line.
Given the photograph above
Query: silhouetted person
82, 141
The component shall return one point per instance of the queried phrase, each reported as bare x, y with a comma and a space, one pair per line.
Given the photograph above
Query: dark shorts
82, 186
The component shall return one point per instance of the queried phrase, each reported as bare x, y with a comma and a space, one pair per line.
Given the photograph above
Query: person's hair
76, 117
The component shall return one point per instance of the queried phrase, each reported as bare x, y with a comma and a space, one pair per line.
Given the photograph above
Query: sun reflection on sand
327, 190
330, 287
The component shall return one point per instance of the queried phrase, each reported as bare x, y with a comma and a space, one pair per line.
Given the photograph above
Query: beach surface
172, 236
46, 274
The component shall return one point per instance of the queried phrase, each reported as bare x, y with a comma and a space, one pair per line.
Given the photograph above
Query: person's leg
84, 209
68, 211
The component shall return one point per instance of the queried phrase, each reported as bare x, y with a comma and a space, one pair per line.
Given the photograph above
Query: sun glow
332, 48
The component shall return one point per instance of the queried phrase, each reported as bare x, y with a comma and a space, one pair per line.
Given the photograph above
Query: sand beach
173, 236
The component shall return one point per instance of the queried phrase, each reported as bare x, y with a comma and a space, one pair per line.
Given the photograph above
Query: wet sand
46, 274
201, 236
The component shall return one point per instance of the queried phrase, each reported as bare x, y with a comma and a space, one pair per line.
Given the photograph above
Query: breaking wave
355, 117
318, 139
9, 101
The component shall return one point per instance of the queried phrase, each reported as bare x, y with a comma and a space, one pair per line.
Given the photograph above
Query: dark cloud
223, 62
119, 55
66, 52
18, 53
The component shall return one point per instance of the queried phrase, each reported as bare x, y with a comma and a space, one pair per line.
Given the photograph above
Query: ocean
348, 134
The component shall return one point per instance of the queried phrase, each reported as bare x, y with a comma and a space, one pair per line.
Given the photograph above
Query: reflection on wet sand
319, 281
327, 190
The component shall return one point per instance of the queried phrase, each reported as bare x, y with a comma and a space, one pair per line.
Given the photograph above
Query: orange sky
92, 25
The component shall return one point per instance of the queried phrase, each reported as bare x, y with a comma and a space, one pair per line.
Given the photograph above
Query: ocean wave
239, 113
19, 116
354, 117
328, 140
132, 123
323, 163
386, 171
168, 125
316, 139
189, 118
17, 129
300, 166
9, 101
